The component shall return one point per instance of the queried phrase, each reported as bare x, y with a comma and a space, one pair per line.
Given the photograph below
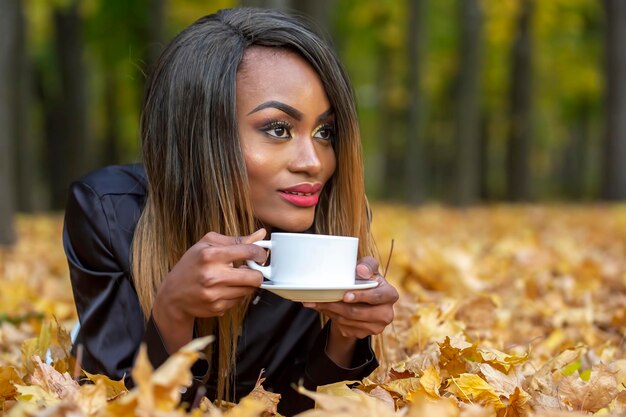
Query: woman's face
286, 127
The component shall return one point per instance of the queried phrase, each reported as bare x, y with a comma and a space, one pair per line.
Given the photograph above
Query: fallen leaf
8, 379
113, 388
589, 396
268, 399
472, 388
61, 385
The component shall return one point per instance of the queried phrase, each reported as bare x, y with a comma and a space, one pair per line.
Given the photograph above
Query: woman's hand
204, 283
360, 314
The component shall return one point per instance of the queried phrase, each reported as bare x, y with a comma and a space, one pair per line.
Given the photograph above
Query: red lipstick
302, 195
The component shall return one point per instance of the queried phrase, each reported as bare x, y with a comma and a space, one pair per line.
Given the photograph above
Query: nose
305, 157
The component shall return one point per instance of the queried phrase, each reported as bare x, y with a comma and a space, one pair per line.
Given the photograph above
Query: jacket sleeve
111, 321
112, 325
321, 370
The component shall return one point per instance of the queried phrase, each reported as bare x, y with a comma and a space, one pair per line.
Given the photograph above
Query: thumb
367, 267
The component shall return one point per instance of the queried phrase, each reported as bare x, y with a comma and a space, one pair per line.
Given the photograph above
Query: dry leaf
91, 398
8, 379
503, 384
592, 395
268, 399
454, 355
477, 312
61, 385
247, 407
472, 388
360, 404
431, 382
113, 388
422, 406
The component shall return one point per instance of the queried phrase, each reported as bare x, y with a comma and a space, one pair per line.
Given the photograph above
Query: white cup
305, 260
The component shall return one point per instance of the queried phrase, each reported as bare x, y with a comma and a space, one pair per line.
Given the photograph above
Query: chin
294, 224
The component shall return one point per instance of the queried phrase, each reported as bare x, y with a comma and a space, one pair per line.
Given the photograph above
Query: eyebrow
285, 108
325, 115
291, 111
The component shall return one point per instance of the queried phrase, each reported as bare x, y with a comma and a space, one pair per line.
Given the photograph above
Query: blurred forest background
460, 101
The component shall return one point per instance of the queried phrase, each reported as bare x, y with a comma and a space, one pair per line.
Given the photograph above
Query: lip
302, 195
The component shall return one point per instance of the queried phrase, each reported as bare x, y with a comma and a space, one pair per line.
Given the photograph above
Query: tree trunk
519, 144
112, 154
414, 157
155, 33
614, 187
9, 10
468, 104
574, 159
70, 154
26, 152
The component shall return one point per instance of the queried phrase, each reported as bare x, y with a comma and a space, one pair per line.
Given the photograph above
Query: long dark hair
197, 180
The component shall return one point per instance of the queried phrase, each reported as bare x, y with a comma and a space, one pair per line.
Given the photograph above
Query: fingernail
349, 297
309, 305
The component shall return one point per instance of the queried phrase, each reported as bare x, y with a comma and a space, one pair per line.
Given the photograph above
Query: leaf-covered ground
505, 311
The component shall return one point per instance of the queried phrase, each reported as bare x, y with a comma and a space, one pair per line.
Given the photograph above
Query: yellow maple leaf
500, 360
113, 388
455, 353
430, 324
36, 347
430, 381
339, 389
343, 406
443, 407
247, 407
8, 378
158, 390
91, 398
403, 387
37, 395
516, 404
472, 388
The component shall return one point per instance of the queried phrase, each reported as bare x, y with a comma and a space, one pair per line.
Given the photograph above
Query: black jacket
278, 335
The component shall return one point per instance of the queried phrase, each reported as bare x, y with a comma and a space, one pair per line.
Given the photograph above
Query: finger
231, 253
367, 267
216, 309
384, 293
358, 313
255, 237
215, 238
232, 277
218, 295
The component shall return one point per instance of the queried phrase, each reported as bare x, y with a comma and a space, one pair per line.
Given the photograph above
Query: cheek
330, 161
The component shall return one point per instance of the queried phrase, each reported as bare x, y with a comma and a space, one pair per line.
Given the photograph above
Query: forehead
276, 71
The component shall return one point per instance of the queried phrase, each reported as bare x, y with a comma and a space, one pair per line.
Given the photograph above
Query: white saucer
313, 294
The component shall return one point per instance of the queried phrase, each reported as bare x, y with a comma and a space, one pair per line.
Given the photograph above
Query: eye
278, 129
325, 132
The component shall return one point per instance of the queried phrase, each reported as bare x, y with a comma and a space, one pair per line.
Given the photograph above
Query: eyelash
276, 124
331, 131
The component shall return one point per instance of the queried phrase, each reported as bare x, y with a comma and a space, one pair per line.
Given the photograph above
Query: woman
248, 127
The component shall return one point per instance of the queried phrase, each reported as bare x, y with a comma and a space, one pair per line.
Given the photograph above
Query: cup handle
265, 270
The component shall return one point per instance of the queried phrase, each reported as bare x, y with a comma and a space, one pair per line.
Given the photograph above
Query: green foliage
371, 37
